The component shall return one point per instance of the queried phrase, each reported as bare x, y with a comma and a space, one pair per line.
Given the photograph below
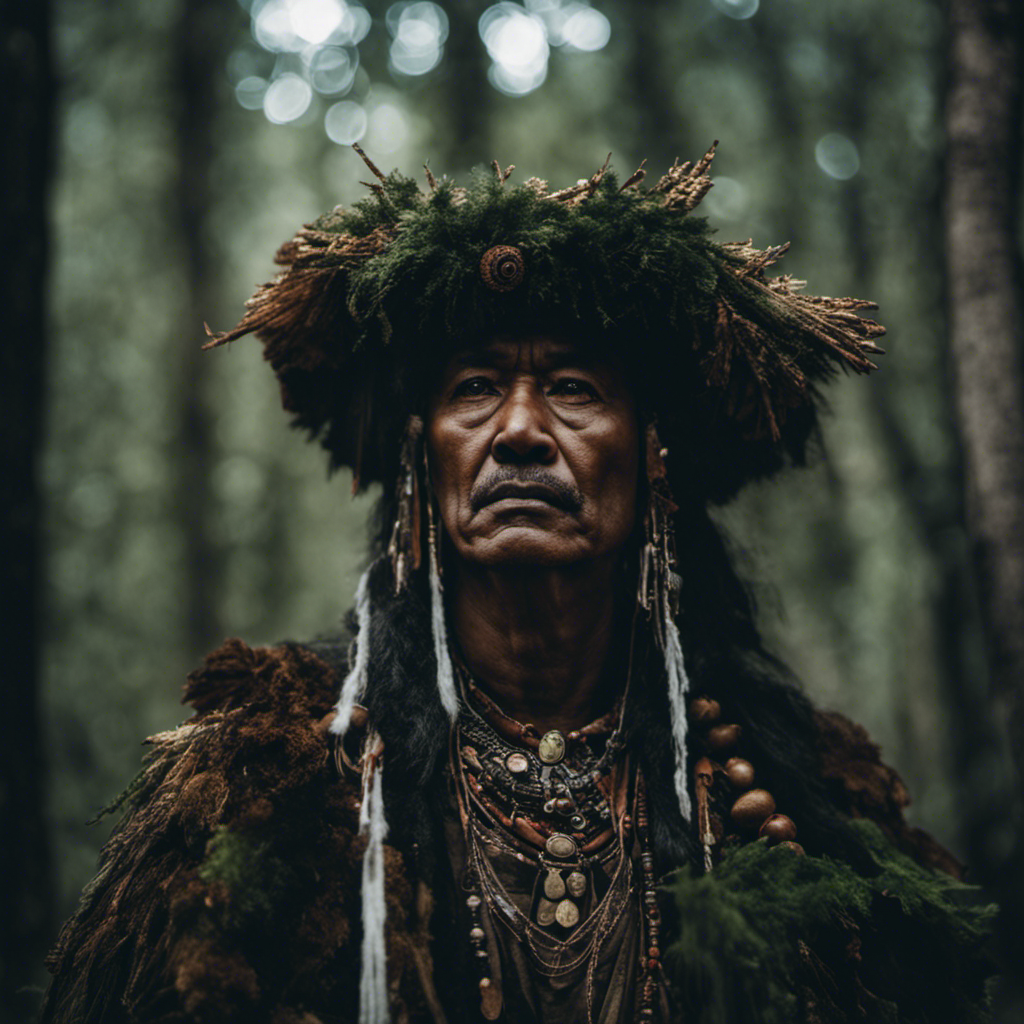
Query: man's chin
522, 545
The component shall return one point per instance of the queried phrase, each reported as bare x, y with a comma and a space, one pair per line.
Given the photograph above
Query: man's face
534, 453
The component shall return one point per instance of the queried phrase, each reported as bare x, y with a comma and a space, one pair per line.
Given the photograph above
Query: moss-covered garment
230, 891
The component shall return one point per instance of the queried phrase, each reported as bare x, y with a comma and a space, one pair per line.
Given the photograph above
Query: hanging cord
373, 980
445, 672
658, 594
354, 687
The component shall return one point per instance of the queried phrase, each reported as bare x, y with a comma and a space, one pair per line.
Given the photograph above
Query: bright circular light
355, 23
250, 92
517, 81
388, 130
738, 9
728, 200
272, 26
586, 29
345, 123
315, 20
514, 38
413, 62
837, 156
287, 98
333, 69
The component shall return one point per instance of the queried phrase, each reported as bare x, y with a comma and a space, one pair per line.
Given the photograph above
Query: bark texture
983, 178
26, 161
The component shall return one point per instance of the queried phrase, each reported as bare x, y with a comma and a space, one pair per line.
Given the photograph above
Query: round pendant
545, 913
560, 846
567, 914
576, 883
554, 886
551, 749
517, 763
578, 822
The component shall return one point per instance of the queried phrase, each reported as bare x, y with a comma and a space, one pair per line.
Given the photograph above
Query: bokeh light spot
837, 156
250, 92
518, 44
287, 98
346, 122
419, 31
388, 130
738, 9
332, 69
586, 29
315, 20
728, 200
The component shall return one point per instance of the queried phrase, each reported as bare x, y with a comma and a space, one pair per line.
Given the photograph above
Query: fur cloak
230, 889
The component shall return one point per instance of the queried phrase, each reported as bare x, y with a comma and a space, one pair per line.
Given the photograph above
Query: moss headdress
373, 299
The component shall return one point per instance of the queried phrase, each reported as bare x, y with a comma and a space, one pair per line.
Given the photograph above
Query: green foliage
256, 880
757, 936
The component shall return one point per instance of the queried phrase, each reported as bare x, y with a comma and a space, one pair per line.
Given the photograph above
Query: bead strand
753, 810
651, 923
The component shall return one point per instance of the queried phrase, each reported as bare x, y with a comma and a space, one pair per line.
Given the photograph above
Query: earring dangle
658, 594
404, 549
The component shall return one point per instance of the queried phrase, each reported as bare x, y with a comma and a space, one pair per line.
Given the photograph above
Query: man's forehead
539, 352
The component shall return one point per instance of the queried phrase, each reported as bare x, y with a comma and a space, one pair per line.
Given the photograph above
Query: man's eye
473, 387
574, 389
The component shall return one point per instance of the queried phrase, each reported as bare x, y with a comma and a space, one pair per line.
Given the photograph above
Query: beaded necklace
571, 806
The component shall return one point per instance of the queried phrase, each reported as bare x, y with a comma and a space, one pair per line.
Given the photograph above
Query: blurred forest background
185, 139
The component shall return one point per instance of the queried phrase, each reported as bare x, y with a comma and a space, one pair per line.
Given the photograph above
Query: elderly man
516, 809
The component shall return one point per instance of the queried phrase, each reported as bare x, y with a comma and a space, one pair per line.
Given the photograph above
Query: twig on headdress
502, 175
431, 180
584, 188
369, 163
636, 177
686, 184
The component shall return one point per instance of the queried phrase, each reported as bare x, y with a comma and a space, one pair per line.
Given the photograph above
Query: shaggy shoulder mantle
229, 890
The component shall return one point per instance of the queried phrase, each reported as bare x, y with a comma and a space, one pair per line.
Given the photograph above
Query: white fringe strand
678, 685
445, 673
373, 980
354, 687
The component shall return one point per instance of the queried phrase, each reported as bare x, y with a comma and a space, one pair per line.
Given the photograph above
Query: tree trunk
200, 50
26, 165
983, 263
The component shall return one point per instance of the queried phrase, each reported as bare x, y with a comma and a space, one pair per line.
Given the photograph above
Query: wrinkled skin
534, 456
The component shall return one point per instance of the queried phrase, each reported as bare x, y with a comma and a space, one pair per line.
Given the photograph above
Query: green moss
256, 879
768, 930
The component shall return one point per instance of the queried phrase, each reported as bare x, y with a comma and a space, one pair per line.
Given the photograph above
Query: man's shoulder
862, 785
237, 832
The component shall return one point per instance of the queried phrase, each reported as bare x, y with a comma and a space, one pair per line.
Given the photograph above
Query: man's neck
539, 641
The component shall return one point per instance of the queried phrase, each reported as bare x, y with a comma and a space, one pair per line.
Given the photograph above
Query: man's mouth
538, 492
544, 487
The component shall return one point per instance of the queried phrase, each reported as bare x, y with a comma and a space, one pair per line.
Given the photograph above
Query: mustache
562, 495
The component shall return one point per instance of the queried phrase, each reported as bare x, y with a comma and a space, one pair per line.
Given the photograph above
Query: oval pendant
554, 886
576, 883
560, 846
545, 913
551, 748
567, 914
517, 763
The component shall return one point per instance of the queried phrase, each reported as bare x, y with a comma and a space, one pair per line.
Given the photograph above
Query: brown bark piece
864, 787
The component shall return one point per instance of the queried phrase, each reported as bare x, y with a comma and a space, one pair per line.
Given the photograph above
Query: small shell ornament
502, 268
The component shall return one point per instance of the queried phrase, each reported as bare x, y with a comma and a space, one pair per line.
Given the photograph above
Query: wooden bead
704, 710
790, 845
723, 737
778, 828
740, 773
752, 808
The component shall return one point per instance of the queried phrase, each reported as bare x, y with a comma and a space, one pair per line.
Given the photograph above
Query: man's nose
523, 435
